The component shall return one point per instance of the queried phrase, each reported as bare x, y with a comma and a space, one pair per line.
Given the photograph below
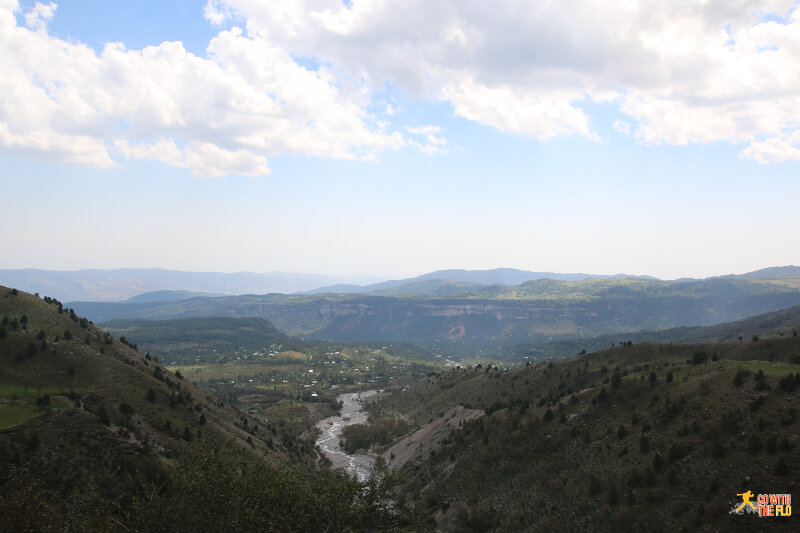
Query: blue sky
380, 141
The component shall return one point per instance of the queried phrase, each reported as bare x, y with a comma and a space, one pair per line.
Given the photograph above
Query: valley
469, 444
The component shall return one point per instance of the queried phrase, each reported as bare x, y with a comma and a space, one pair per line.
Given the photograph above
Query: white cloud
209, 160
775, 149
216, 12
432, 144
695, 71
229, 111
684, 72
622, 127
39, 15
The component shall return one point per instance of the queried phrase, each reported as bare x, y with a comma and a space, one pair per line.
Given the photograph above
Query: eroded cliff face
529, 317
417, 320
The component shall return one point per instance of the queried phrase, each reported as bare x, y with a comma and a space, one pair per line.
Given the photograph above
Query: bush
789, 383
595, 487
741, 375
67, 335
781, 467
208, 490
151, 395
30, 349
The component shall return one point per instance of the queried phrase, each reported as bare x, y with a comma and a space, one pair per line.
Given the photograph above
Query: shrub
741, 375
30, 349
151, 395
789, 383
67, 335
781, 467
595, 487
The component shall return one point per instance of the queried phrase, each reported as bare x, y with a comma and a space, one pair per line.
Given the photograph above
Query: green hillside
201, 338
96, 436
636, 437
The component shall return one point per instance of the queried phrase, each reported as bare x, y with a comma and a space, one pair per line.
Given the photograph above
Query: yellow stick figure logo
746, 501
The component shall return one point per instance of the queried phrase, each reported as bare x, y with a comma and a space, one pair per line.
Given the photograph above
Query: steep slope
95, 436
74, 400
642, 437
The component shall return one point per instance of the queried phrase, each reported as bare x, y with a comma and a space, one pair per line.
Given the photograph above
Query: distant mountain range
124, 284
121, 284
464, 317
431, 284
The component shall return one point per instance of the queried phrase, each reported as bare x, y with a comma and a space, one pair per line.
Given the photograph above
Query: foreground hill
96, 436
536, 311
638, 437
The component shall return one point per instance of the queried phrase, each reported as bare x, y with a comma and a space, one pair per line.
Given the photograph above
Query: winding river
358, 465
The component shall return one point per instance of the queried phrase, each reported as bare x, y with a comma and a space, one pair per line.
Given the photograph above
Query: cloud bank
680, 72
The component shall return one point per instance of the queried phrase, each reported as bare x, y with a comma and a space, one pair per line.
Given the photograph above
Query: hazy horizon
364, 279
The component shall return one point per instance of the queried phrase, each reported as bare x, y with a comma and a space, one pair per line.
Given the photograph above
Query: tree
653, 378
67, 335
151, 395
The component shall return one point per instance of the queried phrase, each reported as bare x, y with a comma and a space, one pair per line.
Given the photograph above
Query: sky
389, 139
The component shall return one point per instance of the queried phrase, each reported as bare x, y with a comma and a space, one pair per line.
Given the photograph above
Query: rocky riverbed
358, 465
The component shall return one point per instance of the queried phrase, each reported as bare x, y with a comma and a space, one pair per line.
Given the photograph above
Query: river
358, 465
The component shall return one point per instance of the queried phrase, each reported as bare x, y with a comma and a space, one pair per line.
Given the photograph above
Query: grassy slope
70, 435
519, 468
